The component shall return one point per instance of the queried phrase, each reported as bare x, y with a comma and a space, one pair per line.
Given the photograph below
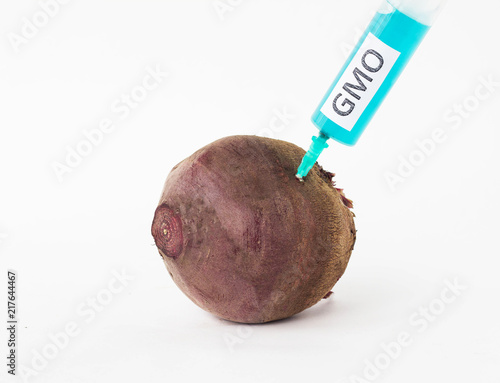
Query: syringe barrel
373, 67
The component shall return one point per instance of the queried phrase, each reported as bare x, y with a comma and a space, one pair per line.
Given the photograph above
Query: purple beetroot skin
244, 239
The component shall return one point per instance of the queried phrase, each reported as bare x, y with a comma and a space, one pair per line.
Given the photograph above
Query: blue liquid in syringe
364, 81
394, 29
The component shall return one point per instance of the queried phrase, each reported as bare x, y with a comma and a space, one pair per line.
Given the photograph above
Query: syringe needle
318, 145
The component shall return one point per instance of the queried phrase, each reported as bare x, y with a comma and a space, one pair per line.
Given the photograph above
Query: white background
226, 76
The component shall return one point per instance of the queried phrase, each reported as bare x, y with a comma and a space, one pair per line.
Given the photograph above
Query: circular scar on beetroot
244, 239
168, 231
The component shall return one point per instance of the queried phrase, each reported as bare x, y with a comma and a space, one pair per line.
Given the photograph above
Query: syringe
369, 73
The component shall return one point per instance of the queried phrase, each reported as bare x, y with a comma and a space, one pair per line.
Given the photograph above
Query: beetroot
244, 239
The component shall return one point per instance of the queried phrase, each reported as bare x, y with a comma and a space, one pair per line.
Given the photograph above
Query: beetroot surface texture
244, 239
